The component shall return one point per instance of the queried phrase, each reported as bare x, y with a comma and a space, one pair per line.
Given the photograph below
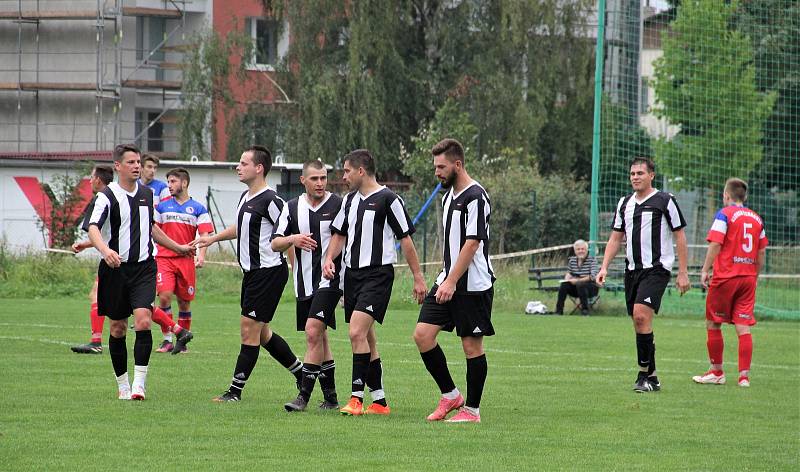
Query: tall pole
598, 95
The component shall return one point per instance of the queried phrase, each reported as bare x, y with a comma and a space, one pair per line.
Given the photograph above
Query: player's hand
112, 259
202, 241
601, 277
199, 262
328, 269
704, 278
445, 292
420, 289
304, 241
682, 282
76, 247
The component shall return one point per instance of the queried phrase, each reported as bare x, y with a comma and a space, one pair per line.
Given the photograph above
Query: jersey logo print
648, 300
252, 313
358, 382
320, 314
476, 330
369, 308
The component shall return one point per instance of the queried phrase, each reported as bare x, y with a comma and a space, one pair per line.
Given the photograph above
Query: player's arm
224, 235
410, 253
446, 290
612, 247
762, 258
711, 255
335, 247
109, 255
303, 241
79, 246
201, 254
682, 281
161, 238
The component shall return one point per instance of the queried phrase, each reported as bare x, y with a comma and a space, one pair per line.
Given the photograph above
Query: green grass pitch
558, 396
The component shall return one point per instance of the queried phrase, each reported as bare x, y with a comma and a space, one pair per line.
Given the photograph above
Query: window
153, 139
265, 41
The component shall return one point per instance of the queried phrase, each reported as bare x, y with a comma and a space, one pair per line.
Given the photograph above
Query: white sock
122, 381
452, 395
474, 411
377, 394
168, 337
139, 376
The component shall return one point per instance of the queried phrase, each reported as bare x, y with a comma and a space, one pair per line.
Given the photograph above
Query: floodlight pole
599, 57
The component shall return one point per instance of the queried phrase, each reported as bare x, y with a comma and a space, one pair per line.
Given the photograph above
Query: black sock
644, 346
476, 377
652, 370
142, 347
436, 363
310, 374
248, 356
375, 382
327, 380
119, 354
360, 367
280, 350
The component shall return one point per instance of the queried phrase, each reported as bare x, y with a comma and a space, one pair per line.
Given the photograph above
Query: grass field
558, 396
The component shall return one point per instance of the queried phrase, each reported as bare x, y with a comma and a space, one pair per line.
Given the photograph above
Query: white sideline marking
64, 343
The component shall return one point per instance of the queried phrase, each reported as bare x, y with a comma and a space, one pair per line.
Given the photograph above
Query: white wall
18, 220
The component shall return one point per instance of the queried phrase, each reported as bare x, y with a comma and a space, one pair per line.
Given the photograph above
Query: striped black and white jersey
299, 217
648, 225
125, 220
371, 223
466, 216
256, 218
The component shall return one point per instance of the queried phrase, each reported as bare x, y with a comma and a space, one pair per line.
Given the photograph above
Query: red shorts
176, 275
732, 301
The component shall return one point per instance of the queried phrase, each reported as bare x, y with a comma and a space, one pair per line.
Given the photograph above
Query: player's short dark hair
121, 149
361, 158
313, 164
261, 155
180, 173
651, 166
737, 189
452, 150
150, 157
104, 173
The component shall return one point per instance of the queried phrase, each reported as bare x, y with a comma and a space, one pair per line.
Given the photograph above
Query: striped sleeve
282, 228
87, 214
618, 224
204, 222
718, 229
339, 223
674, 215
762, 239
398, 219
274, 209
477, 219
99, 211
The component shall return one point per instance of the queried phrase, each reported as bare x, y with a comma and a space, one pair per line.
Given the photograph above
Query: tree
705, 83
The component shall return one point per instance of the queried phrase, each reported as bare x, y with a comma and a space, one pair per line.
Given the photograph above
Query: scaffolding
112, 72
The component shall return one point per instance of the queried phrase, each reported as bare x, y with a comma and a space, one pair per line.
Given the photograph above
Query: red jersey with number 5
741, 233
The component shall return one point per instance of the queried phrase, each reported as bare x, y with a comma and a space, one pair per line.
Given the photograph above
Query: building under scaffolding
84, 75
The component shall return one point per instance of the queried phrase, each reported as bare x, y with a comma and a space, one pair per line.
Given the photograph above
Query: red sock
165, 321
97, 324
715, 346
185, 319
745, 351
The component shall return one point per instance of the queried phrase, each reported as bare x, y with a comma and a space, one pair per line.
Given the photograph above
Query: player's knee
422, 338
313, 334
358, 336
473, 346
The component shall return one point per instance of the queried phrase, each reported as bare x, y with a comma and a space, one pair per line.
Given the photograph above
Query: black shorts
646, 287
469, 313
130, 286
368, 290
261, 292
320, 306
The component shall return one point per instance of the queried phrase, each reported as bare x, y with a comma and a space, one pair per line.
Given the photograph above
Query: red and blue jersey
181, 222
160, 190
741, 233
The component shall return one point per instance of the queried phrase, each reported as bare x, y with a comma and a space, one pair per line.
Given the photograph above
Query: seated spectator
579, 280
